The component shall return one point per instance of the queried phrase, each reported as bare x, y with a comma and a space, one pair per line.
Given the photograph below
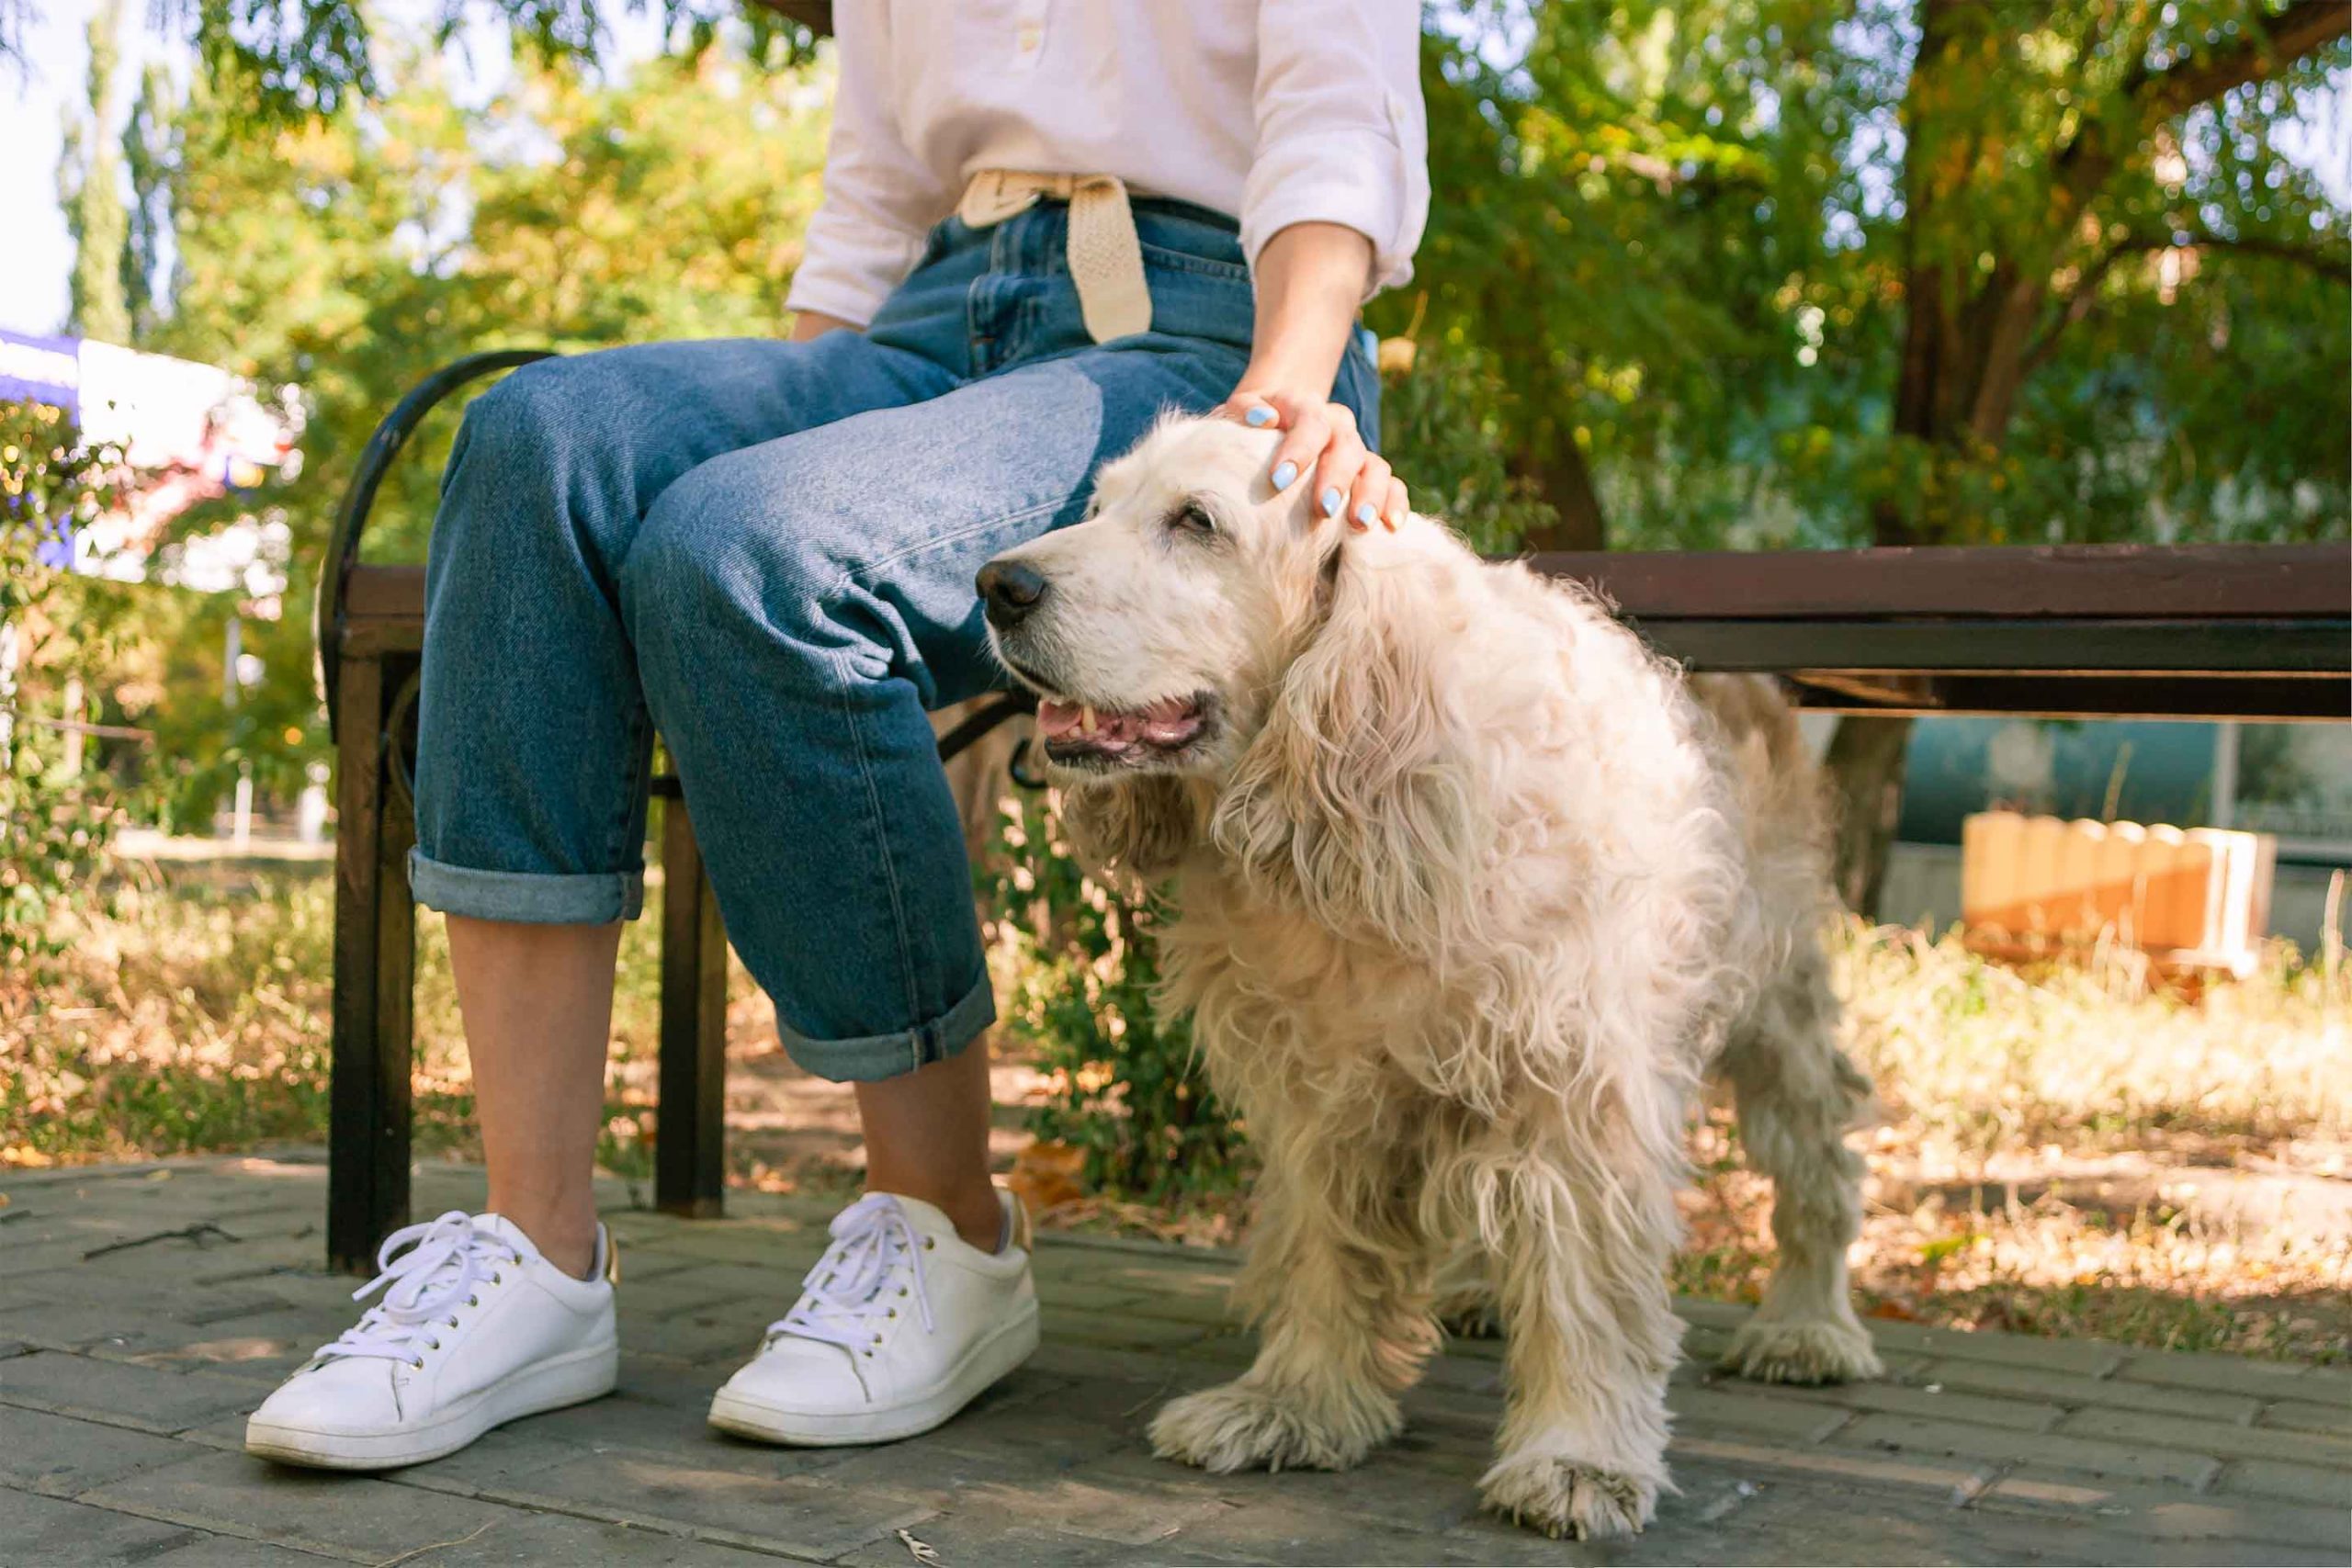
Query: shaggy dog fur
1471, 891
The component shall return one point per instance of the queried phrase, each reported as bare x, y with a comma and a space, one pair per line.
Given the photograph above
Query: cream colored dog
1470, 891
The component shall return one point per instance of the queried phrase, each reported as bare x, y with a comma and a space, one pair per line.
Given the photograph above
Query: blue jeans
766, 550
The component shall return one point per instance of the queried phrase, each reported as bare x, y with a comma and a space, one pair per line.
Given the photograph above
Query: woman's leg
535, 743
927, 1137
538, 1011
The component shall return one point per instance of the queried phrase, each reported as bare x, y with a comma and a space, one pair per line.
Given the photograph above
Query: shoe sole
990, 1360
571, 1378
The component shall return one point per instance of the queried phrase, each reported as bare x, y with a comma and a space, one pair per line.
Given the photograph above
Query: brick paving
143, 1310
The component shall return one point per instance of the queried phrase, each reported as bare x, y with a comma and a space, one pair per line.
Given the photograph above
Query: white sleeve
879, 200
1342, 137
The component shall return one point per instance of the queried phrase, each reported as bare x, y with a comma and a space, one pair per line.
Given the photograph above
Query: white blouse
1273, 111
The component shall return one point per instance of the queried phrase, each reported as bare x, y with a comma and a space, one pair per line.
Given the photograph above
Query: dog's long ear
1142, 827
1360, 797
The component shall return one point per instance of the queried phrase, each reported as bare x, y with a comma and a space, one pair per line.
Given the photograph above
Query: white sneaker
900, 1326
475, 1329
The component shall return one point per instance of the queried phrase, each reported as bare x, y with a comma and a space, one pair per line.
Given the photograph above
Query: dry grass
2071, 1151
2064, 1150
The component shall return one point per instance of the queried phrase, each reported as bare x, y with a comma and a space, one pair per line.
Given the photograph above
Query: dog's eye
1190, 518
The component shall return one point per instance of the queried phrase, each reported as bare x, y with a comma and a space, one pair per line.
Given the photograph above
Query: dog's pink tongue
1056, 719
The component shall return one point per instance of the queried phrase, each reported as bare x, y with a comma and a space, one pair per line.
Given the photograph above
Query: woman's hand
1348, 478
1311, 277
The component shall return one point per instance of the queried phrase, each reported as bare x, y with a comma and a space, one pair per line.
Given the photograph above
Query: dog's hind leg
1796, 1094
1582, 1233
1338, 1280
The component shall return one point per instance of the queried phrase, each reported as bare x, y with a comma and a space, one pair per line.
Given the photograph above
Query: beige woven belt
1105, 257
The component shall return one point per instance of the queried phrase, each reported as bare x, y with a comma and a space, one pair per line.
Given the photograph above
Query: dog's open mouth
1081, 733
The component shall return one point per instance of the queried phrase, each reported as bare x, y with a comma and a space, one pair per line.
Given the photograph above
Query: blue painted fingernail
1261, 414
1366, 514
1331, 500
1286, 474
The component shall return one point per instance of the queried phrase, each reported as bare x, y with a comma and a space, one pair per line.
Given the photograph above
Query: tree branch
2303, 26
2082, 298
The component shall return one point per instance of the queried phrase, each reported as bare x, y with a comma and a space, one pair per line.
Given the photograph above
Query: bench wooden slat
2002, 583
2060, 583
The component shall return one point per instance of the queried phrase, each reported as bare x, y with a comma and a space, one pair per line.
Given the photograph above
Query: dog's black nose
1010, 590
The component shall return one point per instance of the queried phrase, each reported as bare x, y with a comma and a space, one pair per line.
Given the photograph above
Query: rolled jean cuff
525, 897
876, 1056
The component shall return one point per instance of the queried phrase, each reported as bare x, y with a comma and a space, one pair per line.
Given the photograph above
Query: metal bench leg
375, 967
690, 1130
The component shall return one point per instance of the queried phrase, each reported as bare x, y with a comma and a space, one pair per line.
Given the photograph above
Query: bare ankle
977, 1213
568, 1241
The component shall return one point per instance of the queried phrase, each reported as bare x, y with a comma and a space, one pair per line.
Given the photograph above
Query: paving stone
2087, 1358
120, 1392
498, 1459
2291, 1482
1079, 1294
731, 1330
62, 1457
1911, 1435
2165, 1513
1421, 1481
621, 1424
2307, 1415
1957, 1477
1791, 1420
2063, 1389
266, 1357
49, 1532
699, 1289
344, 1516
1938, 1403
993, 1540
525, 1539
668, 1381
1124, 1333
719, 1282
207, 1550
686, 1494
1699, 1312
2225, 1374
789, 1248
2210, 1438
1053, 1466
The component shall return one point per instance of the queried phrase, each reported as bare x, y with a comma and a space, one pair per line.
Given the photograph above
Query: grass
2061, 1151
2070, 1151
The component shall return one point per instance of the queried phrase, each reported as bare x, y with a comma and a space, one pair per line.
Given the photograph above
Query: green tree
350, 253
89, 187
150, 143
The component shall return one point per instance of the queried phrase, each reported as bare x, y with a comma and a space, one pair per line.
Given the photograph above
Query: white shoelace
875, 1262
444, 1261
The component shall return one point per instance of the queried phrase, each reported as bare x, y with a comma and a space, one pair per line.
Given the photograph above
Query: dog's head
1217, 662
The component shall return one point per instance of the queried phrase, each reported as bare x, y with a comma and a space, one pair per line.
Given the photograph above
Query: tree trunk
1551, 460
1865, 768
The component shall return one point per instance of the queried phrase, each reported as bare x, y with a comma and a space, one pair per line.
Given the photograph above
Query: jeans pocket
1193, 297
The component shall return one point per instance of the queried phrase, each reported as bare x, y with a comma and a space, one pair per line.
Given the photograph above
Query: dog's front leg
1337, 1279
1590, 1335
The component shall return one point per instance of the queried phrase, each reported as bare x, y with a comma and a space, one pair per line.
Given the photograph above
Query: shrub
1125, 1089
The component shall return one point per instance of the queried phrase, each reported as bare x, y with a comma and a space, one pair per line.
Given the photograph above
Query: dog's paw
1568, 1500
1803, 1350
1236, 1426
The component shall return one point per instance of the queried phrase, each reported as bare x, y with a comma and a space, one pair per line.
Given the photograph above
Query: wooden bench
2248, 632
